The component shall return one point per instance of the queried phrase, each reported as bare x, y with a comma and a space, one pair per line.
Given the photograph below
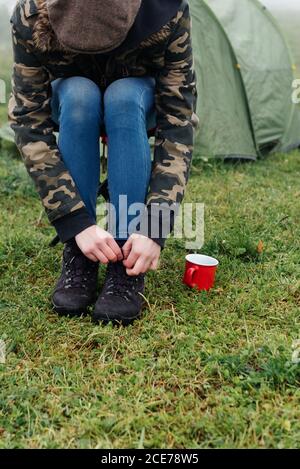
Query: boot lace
78, 270
118, 283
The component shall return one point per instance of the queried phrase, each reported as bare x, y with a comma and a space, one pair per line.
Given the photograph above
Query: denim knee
80, 100
125, 96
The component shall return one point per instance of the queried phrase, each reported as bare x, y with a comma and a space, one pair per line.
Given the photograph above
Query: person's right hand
98, 245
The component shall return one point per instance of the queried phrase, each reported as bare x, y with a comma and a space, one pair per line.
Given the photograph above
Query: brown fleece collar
44, 37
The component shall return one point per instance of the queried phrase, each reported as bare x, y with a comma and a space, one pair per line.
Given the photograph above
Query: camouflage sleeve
30, 118
176, 97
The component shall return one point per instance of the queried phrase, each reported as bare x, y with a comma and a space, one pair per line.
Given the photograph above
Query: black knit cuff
157, 222
70, 225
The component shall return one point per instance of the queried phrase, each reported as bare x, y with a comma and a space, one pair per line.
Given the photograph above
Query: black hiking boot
120, 300
76, 288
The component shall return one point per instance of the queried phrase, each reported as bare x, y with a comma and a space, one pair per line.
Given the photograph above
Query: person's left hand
140, 254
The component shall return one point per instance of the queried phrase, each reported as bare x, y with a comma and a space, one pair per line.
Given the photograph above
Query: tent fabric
245, 73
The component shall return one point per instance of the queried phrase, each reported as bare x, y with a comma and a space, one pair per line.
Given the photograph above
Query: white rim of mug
202, 260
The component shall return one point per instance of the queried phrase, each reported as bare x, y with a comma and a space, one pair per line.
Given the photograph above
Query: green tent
245, 75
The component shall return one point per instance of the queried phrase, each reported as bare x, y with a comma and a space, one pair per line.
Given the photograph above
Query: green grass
199, 370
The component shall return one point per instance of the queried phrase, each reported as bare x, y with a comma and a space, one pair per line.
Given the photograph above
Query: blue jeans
126, 110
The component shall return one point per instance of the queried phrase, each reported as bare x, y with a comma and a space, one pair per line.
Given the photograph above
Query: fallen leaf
260, 247
287, 425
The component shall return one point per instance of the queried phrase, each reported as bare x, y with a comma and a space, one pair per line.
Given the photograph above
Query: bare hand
140, 254
98, 245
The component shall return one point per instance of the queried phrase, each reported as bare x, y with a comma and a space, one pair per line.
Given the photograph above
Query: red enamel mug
200, 271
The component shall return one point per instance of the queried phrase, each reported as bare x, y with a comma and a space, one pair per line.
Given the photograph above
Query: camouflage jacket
39, 59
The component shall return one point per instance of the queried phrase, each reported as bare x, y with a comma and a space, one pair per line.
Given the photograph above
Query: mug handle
190, 274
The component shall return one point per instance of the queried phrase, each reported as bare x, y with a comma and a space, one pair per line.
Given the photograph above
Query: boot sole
115, 321
61, 311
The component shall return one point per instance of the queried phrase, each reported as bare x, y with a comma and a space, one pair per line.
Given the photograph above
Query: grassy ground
199, 370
